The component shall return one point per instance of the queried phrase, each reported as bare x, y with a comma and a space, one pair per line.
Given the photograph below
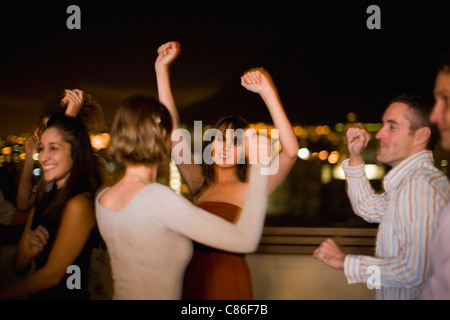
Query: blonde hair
140, 133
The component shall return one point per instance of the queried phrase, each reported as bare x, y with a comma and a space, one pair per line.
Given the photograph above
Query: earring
66, 179
49, 186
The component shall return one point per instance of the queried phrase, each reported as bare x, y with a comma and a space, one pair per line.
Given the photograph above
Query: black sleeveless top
63, 291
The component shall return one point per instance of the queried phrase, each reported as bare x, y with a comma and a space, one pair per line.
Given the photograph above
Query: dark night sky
323, 58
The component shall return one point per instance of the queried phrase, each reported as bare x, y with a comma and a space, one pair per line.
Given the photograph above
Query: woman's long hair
228, 122
85, 174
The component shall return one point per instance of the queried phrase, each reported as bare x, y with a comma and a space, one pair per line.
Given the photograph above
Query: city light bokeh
312, 195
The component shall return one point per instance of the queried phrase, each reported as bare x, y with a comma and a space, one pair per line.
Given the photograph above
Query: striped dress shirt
415, 191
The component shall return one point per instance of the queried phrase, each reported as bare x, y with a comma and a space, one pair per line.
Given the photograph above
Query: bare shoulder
78, 218
82, 203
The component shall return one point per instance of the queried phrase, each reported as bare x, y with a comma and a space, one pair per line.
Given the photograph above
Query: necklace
137, 178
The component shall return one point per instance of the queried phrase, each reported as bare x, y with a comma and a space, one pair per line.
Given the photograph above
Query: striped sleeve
366, 203
405, 245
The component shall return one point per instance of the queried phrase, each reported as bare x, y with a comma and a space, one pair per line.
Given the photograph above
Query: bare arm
31, 243
258, 80
77, 222
25, 196
167, 53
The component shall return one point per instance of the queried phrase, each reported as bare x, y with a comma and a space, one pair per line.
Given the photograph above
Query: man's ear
423, 135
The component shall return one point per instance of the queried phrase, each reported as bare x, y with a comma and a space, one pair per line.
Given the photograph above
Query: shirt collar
395, 176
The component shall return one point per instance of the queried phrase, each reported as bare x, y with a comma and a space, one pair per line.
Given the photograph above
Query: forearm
22, 259
72, 112
281, 122
356, 160
21, 262
24, 191
192, 174
35, 282
165, 93
181, 154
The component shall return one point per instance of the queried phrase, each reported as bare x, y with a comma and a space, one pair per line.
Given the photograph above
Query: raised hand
257, 80
32, 142
73, 100
167, 53
357, 140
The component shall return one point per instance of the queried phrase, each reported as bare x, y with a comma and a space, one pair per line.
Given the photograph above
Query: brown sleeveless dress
214, 274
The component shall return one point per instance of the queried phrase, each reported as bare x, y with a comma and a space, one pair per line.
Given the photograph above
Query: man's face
440, 115
397, 142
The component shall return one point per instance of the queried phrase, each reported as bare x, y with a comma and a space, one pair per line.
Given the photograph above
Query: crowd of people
160, 245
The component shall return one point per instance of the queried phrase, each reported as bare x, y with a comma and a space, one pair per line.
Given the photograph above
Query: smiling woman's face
55, 156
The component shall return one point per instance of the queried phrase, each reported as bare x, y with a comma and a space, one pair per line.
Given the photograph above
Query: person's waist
204, 248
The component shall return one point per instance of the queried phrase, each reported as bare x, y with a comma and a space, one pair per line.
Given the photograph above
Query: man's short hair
420, 107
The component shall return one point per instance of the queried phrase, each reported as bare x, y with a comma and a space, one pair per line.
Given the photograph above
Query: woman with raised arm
220, 187
73, 103
148, 228
60, 231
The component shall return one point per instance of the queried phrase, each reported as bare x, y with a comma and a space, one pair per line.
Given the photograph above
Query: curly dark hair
91, 113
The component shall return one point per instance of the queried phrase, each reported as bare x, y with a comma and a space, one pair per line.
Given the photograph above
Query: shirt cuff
353, 171
352, 268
